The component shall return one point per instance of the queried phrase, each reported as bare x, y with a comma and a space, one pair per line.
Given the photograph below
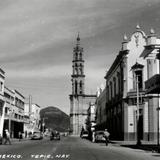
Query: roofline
2, 70
19, 93
9, 89
116, 61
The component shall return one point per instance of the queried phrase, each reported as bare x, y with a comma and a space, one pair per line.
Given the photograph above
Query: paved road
73, 148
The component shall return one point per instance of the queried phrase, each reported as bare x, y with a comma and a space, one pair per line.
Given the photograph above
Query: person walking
20, 136
106, 136
93, 136
7, 137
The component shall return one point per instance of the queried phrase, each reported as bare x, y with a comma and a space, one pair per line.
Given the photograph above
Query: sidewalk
145, 145
17, 140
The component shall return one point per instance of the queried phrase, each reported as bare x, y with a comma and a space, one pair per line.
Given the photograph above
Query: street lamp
137, 70
138, 137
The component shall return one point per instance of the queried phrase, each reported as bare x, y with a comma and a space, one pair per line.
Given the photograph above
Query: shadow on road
146, 147
157, 155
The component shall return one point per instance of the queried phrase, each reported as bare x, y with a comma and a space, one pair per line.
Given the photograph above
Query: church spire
78, 69
78, 39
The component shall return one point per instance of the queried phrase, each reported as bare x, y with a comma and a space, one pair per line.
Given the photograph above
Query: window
80, 56
114, 80
80, 69
76, 56
139, 78
75, 87
107, 93
80, 86
137, 75
119, 82
111, 92
1, 86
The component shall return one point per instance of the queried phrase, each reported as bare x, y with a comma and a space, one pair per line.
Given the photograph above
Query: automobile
85, 134
37, 136
100, 136
55, 135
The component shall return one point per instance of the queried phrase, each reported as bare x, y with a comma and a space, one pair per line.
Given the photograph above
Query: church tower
78, 70
79, 101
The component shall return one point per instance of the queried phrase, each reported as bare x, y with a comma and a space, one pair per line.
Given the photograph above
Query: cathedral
79, 101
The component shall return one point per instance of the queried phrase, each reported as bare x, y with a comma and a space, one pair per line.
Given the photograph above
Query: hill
55, 119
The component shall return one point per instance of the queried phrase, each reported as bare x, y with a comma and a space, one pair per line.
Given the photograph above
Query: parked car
55, 135
99, 136
36, 136
85, 134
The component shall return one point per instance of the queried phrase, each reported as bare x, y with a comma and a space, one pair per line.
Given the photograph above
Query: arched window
111, 91
80, 87
75, 87
114, 85
81, 69
80, 56
76, 68
76, 56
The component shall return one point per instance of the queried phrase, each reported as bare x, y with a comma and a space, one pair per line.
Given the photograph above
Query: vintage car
85, 134
99, 136
55, 135
36, 136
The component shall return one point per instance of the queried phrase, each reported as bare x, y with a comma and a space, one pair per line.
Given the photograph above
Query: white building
13, 112
151, 54
128, 72
2, 104
32, 117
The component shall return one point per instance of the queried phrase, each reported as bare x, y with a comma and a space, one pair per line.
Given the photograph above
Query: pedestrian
106, 136
7, 137
20, 136
25, 134
93, 136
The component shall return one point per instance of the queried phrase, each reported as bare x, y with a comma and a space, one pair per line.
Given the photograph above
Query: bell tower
79, 101
78, 70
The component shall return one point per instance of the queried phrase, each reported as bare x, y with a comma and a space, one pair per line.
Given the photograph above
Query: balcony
152, 85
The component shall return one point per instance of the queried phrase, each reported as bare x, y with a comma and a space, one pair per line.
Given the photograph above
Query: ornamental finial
125, 38
137, 27
152, 31
78, 38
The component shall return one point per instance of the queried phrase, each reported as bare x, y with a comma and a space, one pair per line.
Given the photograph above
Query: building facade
14, 112
91, 119
32, 118
125, 81
79, 101
2, 101
101, 110
151, 55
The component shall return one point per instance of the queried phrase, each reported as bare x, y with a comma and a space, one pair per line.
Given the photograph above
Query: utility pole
9, 115
158, 109
30, 104
138, 137
30, 112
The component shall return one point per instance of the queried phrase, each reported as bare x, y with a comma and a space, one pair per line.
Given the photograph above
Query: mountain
55, 119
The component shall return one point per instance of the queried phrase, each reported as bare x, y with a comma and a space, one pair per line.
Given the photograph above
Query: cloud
51, 72
37, 38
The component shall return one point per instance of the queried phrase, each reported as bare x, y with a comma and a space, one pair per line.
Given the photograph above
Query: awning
152, 85
146, 52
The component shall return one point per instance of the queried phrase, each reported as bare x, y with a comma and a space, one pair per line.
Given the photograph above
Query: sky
37, 39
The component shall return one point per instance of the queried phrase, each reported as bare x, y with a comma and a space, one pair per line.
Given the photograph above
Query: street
71, 148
